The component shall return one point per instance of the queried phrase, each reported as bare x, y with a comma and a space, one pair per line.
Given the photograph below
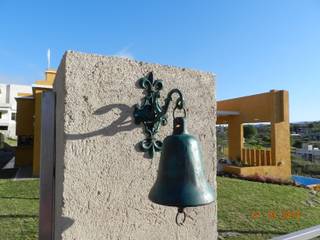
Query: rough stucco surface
102, 181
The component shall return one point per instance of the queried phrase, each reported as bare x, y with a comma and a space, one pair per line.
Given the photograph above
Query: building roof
41, 86
25, 97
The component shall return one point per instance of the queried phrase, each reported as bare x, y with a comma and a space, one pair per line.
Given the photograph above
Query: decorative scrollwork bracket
151, 114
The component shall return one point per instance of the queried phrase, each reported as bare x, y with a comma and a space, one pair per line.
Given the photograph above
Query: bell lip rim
184, 206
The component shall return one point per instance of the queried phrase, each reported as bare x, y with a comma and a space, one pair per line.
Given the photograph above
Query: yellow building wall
49, 75
235, 131
280, 133
24, 129
270, 107
49, 78
24, 156
255, 108
24, 117
31, 111
267, 171
37, 133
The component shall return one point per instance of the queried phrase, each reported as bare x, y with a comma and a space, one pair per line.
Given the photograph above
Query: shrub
249, 131
312, 169
297, 144
266, 179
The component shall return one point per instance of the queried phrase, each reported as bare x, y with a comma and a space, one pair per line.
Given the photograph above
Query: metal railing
304, 234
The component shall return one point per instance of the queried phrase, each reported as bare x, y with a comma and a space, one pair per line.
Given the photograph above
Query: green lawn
19, 209
260, 211
239, 205
11, 142
7, 142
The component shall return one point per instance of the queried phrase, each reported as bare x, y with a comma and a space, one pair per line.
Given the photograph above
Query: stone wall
102, 180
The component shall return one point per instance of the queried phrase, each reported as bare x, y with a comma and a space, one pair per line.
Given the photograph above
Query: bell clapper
181, 211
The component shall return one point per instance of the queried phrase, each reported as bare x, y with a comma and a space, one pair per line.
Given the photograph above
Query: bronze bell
181, 181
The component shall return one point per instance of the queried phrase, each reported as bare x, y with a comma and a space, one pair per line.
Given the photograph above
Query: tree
297, 144
249, 131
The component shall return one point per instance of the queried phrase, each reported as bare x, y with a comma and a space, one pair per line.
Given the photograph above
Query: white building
308, 152
8, 107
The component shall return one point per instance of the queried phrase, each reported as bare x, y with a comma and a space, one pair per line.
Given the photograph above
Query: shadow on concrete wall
123, 123
66, 223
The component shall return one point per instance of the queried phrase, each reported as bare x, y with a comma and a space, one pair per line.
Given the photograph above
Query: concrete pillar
235, 138
37, 133
280, 133
102, 180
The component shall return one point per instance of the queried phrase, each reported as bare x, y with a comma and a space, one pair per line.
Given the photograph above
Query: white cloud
125, 53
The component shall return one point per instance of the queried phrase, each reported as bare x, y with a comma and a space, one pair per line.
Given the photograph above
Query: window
13, 116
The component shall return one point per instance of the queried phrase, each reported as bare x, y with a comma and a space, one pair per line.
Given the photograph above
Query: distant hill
302, 132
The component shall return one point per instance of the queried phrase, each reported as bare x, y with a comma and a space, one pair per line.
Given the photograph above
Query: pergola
270, 107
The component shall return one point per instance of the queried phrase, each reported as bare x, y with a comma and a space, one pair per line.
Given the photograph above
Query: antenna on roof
49, 57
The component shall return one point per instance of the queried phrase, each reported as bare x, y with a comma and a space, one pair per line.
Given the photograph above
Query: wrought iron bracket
151, 114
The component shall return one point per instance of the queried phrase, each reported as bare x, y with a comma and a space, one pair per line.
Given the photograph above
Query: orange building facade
28, 128
270, 107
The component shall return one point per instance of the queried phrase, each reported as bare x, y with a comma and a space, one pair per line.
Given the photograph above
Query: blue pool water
305, 181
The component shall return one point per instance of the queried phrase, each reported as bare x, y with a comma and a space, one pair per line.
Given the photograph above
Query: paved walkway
24, 173
8, 169
5, 157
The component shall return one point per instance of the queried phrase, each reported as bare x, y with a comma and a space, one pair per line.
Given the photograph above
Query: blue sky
252, 46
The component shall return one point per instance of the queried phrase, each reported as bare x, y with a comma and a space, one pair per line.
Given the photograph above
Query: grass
7, 142
11, 142
19, 207
239, 203
261, 211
